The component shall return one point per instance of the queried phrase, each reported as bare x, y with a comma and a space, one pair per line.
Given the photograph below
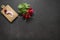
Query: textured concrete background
44, 25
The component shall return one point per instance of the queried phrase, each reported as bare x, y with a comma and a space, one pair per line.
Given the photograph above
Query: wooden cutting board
9, 13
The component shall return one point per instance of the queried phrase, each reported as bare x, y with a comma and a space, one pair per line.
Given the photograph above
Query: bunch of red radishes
25, 10
28, 13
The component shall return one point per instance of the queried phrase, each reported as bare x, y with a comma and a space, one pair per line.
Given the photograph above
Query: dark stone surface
44, 25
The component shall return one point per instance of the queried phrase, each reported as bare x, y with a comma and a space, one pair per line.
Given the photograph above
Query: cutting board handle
2, 6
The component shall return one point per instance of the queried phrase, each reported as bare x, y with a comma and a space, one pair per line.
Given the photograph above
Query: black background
44, 25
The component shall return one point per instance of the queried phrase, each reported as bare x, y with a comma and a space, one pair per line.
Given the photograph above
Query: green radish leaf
23, 8
26, 5
20, 6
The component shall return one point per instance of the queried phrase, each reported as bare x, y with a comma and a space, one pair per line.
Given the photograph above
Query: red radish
30, 12
23, 15
27, 16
